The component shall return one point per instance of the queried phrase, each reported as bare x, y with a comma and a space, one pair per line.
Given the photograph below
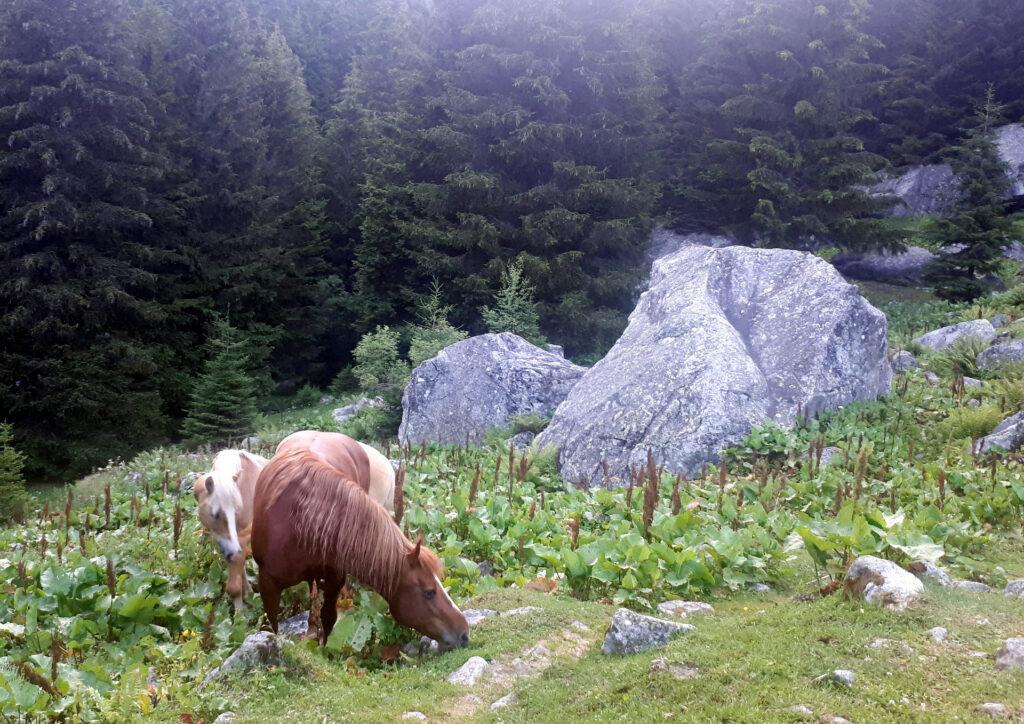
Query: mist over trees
311, 170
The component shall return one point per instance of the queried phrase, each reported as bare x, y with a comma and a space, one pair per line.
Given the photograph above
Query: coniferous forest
180, 178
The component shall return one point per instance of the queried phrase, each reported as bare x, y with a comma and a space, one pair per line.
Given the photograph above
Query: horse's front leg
237, 585
329, 612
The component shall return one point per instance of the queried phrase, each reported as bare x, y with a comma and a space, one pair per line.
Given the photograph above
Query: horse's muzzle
454, 641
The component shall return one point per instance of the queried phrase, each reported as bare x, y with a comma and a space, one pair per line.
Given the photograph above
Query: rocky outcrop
259, 650
1002, 353
481, 383
900, 267
664, 241
1010, 142
632, 632
903, 361
882, 583
980, 329
1008, 435
919, 190
724, 339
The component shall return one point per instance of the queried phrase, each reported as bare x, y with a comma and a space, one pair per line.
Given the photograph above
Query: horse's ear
209, 485
414, 554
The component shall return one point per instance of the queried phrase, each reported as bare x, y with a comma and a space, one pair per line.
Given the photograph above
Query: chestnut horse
311, 522
224, 499
356, 461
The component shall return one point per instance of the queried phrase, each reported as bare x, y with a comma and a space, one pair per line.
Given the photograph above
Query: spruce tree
223, 405
514, 308
432, 331
13, 498
972, 241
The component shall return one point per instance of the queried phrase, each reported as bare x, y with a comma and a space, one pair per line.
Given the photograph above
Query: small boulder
1011, 655
882, 583
1008, 435
1000, 320
944, 337
994, 710
682, 609
939, 634
972, 382
972, 586
760, 588
414, 716
522, 611
926, 570
227, 717
346, 413
476, 615
829, 454
929, 189
632, 632
680, 672
422, 647
259, 650
470, 672
800, 710
508, 700
294, 627
903, 361
900, 267
1002, 353
839, 677
931, 377
522, 440
1014, 589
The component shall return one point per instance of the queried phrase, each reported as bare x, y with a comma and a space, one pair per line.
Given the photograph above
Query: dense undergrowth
111, 602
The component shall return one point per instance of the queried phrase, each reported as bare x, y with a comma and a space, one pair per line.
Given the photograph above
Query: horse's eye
216, 516
430, 594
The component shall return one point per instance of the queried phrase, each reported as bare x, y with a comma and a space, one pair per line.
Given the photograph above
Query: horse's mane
334, 520
226, 494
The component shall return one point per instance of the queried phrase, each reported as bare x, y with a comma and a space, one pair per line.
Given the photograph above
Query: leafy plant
13, 499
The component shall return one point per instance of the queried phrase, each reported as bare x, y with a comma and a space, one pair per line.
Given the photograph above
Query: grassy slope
756, 656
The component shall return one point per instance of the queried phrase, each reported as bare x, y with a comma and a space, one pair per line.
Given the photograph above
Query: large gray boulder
480, 383
882, 583
1011, 655
901, 267
1010, 142
980, 329
1001, 354
724, 339
664, 241
1008, 435
919, 190
632, 632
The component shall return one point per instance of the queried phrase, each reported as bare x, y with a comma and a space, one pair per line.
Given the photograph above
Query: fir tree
13, 498
514, 308
973, 240
432, 331
377, 361
223, 405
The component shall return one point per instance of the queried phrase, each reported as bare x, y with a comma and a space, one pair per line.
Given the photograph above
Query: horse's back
382, 477
355, 461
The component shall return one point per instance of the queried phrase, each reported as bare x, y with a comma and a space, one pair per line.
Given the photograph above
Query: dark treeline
308, 169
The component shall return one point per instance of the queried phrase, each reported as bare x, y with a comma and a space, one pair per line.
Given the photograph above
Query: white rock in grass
507, 700
415, 715
680, 672
928, 570
259, 650
470, 672
1014, 589
930, 376
476, 615
938, 634
800, 710
995, 711
1011, 655
227, 717
882, 583
682, 609
523, 610
980, 329
972, 586
632, 632
841, 677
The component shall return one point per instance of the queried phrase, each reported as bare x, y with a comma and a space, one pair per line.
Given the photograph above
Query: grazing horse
224, 497
356, 461
311, 522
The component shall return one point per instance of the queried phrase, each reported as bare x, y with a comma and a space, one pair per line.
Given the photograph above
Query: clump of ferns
960, 358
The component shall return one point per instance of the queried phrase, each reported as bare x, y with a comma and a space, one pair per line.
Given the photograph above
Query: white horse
225, 502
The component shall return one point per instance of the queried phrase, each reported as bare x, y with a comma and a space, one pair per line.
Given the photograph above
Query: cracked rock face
723, 340
480, 383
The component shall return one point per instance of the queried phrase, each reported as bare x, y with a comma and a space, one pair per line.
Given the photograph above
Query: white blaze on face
446, 596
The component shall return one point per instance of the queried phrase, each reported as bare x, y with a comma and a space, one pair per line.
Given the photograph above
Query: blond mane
336, 521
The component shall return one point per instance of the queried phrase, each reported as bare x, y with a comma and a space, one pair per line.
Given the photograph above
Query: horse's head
420, 601
216, 517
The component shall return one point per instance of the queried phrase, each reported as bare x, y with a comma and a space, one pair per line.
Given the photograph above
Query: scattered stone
761, 587
1000, 320
259, 650
903, 361
508, 700
678, 671
476, 615
939, 634
972, 586
837, 720
901, 267
133, 477
470, 672
580, 626
486, 568
758, 316
682, 609
415, 715
346, 413
974, 402
931, 377
632, 632
972, 382
829, 454
1014, 589
996, 711
980, 329
978, 655
227, 717
882, 583
841, 677
1008, 435
800, 710
928, 570
522, 440
1011, 655
295, 626
523, 610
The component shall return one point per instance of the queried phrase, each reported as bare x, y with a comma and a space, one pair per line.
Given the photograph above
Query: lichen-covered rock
841, 677
1011, 655
882, 583
665, 241
901, 267
682, 609
972, 586
919, 190
476, 615
480, 383
632, 632
470, 672
930, 571
980, 329
999, 320
939, 634
1008, 435
724, 339
294, 627
1014, 589
259, 650
994, 710
1001, 353
903, 361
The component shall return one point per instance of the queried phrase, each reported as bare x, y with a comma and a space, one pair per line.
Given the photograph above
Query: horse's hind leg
329, 612
271, 595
